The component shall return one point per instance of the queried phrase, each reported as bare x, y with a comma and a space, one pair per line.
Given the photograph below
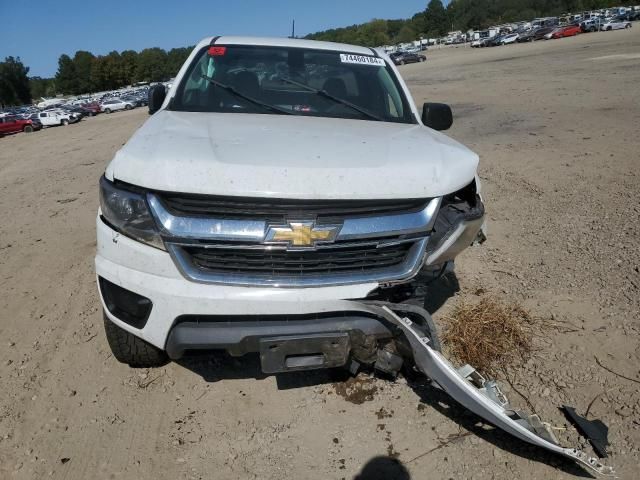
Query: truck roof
286, 42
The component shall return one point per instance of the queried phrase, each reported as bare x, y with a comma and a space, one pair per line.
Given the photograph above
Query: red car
568, 31
93, 107
15, 124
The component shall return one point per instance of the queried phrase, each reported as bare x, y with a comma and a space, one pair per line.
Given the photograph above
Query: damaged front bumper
483, 397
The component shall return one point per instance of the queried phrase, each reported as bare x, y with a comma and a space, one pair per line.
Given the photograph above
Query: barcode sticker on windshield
361, 60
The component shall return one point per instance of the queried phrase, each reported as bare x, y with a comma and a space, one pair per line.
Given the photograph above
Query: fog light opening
131, 308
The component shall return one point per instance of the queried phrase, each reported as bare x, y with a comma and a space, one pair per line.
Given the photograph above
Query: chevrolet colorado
287, 198
277, 181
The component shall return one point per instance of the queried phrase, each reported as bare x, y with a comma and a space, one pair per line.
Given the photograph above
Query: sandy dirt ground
557, 126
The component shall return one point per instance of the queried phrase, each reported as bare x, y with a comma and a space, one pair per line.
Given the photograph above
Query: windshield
294, 81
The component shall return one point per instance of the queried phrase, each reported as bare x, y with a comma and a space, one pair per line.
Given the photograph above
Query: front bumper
152, 273
188, 314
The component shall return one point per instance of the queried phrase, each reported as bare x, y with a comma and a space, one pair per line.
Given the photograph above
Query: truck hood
283, 156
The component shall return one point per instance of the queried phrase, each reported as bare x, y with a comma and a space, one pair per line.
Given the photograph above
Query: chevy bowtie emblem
301, 234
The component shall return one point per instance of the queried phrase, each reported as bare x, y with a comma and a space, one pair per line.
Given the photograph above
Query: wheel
129, 349
27, 129
127, 107
422, 59
401, 62
64, 123
608, 29
107, 110
627, 26
92, 114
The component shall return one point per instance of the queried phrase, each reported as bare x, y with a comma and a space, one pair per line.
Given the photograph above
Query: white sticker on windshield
361, 60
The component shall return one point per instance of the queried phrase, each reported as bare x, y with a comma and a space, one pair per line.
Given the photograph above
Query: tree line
88, 73
436, 20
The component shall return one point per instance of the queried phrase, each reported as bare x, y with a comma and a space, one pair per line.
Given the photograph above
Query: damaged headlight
127, 212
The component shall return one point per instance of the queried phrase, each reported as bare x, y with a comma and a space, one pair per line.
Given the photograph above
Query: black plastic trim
241, 337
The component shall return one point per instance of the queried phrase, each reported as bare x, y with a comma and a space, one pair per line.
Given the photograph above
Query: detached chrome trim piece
483, 397
205, 228
398, 273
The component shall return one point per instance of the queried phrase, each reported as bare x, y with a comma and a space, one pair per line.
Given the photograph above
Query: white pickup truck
277, 181
54, 117
287, 198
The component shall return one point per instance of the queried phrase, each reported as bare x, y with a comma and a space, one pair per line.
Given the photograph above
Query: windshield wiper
342, 101
249, 99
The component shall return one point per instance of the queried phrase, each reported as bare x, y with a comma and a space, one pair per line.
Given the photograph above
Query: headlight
128, 213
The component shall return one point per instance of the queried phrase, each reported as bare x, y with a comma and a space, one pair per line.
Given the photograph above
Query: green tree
375, 33
114, 70
67, 77
175, 58
436, 19
82, 62
129, 64
42, 87
14, 83
406, 34
152, 65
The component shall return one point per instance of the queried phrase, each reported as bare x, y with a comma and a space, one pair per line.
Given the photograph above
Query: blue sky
39, 31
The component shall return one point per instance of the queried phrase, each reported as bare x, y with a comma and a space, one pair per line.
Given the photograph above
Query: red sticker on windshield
217, 51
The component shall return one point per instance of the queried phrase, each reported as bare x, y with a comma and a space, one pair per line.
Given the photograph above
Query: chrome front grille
280, 209
278, 262
224, 241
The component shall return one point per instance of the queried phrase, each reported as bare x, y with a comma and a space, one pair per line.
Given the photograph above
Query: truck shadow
383, 468
469, 421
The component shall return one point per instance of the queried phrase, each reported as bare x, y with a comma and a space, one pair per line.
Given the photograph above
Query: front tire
108, 110
129, 349
127, 107
27, 129
64, 123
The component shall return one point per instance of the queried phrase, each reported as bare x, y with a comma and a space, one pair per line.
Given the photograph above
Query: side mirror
157, 94
437, 116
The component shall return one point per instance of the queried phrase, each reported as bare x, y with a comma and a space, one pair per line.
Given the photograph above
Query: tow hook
482, 396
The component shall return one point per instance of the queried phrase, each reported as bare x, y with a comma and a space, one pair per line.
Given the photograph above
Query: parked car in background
400, 58
527, 36
508, 38
93, 108
590, 25
115, 104
51, 118
568, 31
13, 124
135, 100
542, 32
37, 124
615, 24
77, 110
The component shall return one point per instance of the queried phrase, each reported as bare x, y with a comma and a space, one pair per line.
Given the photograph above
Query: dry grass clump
489, 335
